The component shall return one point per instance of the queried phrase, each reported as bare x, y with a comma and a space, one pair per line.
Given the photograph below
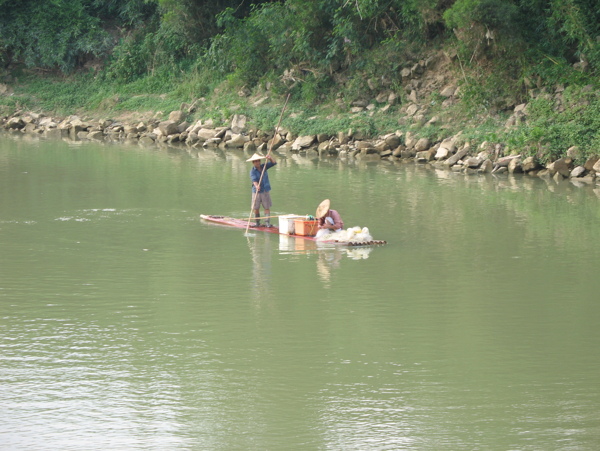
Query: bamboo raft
243, 224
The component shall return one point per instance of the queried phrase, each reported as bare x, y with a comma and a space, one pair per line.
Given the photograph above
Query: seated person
329, 220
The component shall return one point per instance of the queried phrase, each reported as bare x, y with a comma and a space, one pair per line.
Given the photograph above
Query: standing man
261, 187
329, 220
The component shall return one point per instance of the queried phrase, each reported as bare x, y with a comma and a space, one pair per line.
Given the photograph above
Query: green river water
127, 323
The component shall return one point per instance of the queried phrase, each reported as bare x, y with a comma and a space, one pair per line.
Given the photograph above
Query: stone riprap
450, 153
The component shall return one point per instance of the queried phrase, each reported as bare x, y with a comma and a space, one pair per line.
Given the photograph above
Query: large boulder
407, 153
381, 146
473, 162
212, 142
192, 138
168, 128
486, 167
514, 166
204, 134
276, 142
442, 153
302, 142
238, 123
574, 152
448, 144
505, 161
343, 138
15, 123
363, 144
530, 164
368, 150
392, 140
457, 156
237, 141
589, 164
195, 127
578, 171
174, 138
562, 166
77, 126
177, 116
31, 128
422, 144
183, 126
48, 122
425, 156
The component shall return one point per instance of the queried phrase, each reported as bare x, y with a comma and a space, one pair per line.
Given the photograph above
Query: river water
128, 323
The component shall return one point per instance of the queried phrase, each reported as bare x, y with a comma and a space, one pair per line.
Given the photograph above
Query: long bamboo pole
265, 166
259, 217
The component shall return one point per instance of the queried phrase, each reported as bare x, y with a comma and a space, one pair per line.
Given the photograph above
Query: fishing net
350, 235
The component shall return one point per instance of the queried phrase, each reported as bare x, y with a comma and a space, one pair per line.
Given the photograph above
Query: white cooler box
286, 223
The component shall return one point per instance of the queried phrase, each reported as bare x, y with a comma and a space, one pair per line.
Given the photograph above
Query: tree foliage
246, 40
562, 29
196, 19
49, 34
304, 38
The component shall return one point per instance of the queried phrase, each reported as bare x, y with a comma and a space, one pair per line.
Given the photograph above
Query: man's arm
254, 178
337, 220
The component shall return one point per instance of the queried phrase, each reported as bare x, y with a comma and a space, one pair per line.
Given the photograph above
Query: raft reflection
329, 255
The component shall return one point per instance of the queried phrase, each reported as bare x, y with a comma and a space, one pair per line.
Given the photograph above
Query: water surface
128, 323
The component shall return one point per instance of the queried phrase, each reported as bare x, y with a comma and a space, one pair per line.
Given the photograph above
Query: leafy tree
566, 30
128, 13
494, 14
55, 33
308, 38
577, 25
64, 33
196, 19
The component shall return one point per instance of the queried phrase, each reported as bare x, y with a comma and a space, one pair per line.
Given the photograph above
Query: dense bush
556, 123
49, 34
147, 52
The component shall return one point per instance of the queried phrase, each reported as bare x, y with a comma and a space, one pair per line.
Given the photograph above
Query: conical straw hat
323, 208
254, 157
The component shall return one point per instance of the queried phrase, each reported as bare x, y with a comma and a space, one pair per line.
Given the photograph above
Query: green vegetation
110, 57
548, 134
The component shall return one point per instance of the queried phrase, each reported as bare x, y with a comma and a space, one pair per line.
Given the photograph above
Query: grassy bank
557, 117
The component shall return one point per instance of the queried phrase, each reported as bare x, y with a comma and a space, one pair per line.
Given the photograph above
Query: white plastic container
286, 223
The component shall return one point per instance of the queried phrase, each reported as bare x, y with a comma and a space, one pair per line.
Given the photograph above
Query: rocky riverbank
430, 91
451, 153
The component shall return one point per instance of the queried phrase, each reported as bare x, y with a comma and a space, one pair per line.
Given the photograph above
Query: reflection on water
329, 255
328, 261
262, 274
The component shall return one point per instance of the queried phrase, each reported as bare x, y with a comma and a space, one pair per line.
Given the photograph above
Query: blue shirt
265, 186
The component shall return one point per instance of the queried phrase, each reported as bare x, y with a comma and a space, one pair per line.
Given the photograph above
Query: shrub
50, 34
144, 51
576, 123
